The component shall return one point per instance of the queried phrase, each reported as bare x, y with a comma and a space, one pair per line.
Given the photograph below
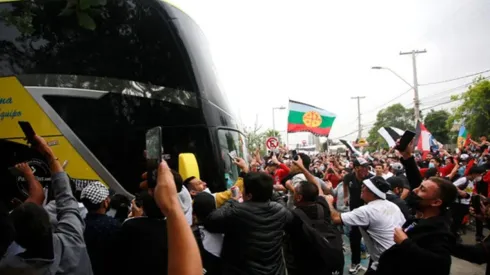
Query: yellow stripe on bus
16, 104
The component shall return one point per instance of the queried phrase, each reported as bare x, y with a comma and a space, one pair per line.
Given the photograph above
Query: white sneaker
354, 268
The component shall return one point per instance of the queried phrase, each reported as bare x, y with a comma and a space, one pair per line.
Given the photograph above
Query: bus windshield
112, 71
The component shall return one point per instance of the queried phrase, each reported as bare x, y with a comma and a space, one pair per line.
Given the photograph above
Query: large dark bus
92, 78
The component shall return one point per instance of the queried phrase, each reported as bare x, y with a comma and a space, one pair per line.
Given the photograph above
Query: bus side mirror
188, 166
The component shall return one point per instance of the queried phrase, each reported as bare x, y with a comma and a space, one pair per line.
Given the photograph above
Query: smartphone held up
405, 140
154, 154
28, 132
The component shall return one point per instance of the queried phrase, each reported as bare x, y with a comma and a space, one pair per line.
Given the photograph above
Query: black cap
204, 203
395, 182
361, 162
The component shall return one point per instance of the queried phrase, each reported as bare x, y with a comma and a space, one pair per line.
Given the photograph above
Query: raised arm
183, 252
309, 177
413, 173
222, 197
70, 222
36, 192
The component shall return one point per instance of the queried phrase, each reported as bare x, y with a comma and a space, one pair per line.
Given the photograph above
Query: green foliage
23, 21
435, 122
256, 138
393, 116
85, 10
474, 112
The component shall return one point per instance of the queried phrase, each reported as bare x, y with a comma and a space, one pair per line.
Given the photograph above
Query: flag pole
287, 132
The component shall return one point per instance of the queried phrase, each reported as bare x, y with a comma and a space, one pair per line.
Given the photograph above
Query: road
458, 267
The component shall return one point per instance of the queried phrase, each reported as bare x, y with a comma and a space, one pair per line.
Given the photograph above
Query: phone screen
154, 154
232, 155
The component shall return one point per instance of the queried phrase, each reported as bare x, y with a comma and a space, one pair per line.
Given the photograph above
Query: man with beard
352, 189
424, 241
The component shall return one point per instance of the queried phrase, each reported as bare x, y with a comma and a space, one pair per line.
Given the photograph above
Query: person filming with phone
426, 239
49, 251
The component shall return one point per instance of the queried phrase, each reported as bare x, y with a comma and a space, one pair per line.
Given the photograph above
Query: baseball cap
95, 192
464, 157
378, 186
395, 182
360, 162
397, 166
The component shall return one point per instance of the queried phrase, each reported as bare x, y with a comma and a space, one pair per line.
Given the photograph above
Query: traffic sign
272, 143
362, 142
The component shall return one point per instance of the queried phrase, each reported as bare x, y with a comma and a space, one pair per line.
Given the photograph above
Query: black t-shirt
483, 147
144, 239
355, 186
300, 258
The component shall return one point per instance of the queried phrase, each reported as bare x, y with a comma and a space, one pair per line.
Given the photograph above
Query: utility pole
416, 102
359, 134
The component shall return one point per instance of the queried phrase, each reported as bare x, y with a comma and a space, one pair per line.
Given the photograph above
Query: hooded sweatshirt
426, 251
69, 250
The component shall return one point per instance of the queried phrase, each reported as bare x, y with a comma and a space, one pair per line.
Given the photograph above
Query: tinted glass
230, 141
114, 131
122, 39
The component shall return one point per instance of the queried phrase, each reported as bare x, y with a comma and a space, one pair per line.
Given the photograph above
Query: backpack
325, 238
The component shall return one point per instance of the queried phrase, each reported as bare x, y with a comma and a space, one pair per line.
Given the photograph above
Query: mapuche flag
306, 118
463, 137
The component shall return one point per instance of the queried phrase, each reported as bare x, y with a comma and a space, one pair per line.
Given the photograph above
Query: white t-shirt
387, 175
297, 179
469, 189
212, 242
377, 221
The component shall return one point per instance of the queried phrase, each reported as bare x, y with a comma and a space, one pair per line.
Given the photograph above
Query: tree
435, 122
272, 133
474, 112
393, 116
256, 139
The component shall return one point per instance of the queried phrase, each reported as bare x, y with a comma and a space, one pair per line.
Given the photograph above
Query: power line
443, 103
453, 79
346, 134
386, 103
452, 89
364, 127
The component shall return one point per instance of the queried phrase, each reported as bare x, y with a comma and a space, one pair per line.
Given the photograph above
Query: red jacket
334, 179
443, 171
281, 173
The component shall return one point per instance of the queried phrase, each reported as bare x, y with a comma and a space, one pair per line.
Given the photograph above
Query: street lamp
273, 120
415, 90
393, 72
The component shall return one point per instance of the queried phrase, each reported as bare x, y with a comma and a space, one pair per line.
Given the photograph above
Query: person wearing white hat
100, 229
377, 219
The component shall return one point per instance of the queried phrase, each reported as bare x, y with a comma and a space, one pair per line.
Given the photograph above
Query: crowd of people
286, 214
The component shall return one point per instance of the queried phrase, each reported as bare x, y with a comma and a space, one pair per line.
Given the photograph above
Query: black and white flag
391, 134
351, 148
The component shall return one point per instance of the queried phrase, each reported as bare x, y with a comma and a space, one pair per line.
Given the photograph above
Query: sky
321, 53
